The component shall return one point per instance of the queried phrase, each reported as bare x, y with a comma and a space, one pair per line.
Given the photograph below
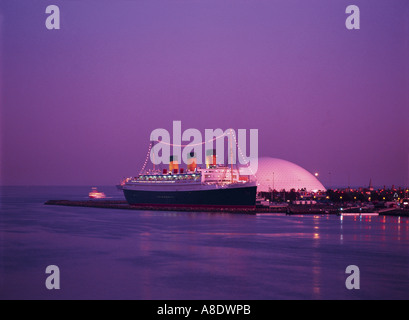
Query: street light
273, 186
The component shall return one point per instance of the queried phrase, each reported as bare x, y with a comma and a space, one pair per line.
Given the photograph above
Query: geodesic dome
280, 174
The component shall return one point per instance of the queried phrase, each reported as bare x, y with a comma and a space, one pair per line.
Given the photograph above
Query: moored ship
213, 186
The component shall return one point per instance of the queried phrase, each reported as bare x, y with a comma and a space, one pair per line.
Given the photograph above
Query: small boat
95, 194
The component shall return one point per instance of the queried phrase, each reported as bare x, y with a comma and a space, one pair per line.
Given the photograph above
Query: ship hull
240, 197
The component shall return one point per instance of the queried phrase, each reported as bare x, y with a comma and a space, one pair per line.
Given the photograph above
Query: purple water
121, 254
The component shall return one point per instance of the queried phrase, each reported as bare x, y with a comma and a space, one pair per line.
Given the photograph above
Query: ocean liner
212, 186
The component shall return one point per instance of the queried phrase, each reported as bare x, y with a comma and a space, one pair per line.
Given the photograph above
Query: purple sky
78, 104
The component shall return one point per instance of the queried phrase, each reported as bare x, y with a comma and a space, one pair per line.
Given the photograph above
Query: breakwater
290, 209
118, 204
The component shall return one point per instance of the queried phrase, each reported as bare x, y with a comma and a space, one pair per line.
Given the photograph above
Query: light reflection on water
104, 253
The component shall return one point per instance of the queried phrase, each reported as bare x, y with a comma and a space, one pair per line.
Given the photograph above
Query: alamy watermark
353, 281
53, 280
214, 139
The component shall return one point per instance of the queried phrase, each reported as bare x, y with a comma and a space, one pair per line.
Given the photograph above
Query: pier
118, 204
290, 210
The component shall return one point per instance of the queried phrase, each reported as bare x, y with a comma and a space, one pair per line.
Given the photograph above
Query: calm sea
121, 254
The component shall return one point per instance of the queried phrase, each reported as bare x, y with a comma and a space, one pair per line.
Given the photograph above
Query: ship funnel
191, 161
210, 158
173, 164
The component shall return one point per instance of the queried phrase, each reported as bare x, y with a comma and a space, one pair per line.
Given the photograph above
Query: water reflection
180, 255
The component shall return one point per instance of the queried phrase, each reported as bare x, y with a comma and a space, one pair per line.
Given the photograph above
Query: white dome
280, 174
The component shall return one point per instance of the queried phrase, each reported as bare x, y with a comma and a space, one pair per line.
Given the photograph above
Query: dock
289, 210
118, 204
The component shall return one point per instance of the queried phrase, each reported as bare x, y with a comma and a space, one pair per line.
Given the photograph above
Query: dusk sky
78, 104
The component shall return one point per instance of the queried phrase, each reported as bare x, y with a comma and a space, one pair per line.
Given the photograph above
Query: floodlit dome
280, 174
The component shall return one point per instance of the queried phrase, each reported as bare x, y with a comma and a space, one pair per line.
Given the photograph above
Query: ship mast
231, 155
153, 154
